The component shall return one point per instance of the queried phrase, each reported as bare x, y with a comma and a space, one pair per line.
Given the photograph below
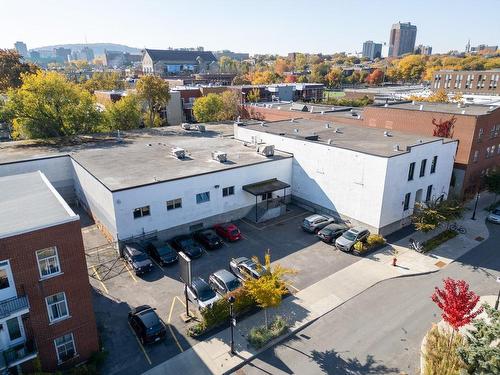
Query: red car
228, 231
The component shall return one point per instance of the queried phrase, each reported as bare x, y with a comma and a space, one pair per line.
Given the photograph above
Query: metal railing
12, 305
20, 353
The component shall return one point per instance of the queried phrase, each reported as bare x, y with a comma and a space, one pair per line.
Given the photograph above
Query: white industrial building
172, 180
359, 174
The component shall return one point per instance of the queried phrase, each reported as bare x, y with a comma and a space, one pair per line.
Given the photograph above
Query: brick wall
20, 250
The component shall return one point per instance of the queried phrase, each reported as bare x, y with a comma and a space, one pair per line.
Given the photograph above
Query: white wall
95, 196
156, 195
174, 108
58, 170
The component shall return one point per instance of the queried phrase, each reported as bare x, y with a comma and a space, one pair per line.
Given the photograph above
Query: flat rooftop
452, 108
363, 139
145, 157
296, 108
30, 203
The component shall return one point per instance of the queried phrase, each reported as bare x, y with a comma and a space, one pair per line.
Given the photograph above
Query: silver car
348, 239
494, 216
314, 223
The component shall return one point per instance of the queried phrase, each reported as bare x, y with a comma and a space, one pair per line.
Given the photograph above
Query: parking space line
180, 300
160, 267
140, 345
99, 279
170, 327
130, 272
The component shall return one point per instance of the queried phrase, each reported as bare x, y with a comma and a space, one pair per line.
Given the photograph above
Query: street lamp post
232, 322
475, 206
498, 296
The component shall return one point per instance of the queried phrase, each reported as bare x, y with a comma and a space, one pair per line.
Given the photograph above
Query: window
498, 149
475, 158
14, 329
4, 279
203, 197
433, 164
411, 171
428, 195
57, 307
65, 347
228, 191
48, 262
423, 164
141, 211
174, 203
480, 134
407, 201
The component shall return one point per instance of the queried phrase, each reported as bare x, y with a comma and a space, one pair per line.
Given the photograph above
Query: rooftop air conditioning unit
219, 156
265, 149
186, 126
178, 152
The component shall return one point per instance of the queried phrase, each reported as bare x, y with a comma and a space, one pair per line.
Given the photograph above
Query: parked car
163, 253
494, 216
209, 239
134, 255
331, 232
348, 239
228, 231
223, 282
244, 268
200, 293
146, 324
188, 246
314, 223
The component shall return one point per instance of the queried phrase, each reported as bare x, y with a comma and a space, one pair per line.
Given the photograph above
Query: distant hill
97, 47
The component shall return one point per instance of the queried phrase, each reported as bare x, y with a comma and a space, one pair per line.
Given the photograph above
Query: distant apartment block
239, 56
45, 301
423, 50
62, 54
177, 62
22, 49
118, 59
467, 81
402, 39
372, 50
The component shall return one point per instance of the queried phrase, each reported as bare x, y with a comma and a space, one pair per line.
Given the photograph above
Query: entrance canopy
263, 187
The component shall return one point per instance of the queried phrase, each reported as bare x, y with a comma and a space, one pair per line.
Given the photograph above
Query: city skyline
268, 27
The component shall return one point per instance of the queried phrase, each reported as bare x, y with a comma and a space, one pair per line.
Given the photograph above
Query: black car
245, 268
330, 233
223, 282
146, 324
209, 239
134, 254
163, 253
188, 246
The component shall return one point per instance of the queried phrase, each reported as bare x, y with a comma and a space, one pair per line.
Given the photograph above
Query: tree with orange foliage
290, 79
280, 66
375, 77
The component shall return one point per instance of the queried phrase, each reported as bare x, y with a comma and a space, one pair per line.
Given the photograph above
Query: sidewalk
212, 355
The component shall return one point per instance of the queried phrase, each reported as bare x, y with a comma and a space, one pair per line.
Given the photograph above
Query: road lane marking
170, 326
140, 345
100, 280
130, 272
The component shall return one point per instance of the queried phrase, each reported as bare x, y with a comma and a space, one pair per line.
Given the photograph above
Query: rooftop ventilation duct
295, 130
178, 152
327, 126
387, 134
463, 112
262, 123
386, 105
219, 156
265, 149
201, 128
186, 126
396, 148
413, 102
292, 120
337, 130
329, 141
421, 108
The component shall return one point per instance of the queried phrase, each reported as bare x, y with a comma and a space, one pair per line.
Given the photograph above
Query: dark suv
188, 246
163, 253
134, 254
209, 239
146, 324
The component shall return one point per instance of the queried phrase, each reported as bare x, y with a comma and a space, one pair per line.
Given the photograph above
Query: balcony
14, 305
18, 354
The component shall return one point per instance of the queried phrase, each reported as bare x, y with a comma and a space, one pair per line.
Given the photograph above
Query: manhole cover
479, 238
440, 264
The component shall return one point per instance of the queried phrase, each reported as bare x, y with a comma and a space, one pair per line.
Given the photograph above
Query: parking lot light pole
187, 301
232, 322
498, 296
475, 206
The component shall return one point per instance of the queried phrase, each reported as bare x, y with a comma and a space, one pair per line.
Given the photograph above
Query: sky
257, 26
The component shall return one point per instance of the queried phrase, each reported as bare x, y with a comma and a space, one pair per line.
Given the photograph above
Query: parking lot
118, 292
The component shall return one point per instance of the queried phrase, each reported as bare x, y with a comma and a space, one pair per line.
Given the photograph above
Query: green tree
230, 105
48, 105
492, 182
319, 72
481, 352
411, 67
253, 95
334, 77
104, 81
155, 93
123, 114
269, 289
430, 215
12, 67
208, 108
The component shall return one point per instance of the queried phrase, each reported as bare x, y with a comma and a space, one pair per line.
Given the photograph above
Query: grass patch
440, 353
333, 94
260, 336
441, 238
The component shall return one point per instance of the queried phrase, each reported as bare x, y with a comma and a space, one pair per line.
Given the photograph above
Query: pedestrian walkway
212, 356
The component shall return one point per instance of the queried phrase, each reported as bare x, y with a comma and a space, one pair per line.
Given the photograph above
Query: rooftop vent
186, 126
421, 108
201, 128
178, 152
396, 148
463, 112
387, 134
262, 123
327, 126
329, 141
265, 149
295, 130
322, 112
219, 156
312, 109
292, 120
413, 102
386, 105
337, 130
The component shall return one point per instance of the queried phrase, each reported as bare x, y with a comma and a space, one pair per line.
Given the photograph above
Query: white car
200, 293
494, 216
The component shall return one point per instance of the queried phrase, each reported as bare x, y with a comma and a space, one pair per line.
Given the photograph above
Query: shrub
360, 247
440, 354
216, 314
260, 336
375, 239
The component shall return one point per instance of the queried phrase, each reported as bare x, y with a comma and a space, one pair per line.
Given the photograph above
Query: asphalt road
380, 331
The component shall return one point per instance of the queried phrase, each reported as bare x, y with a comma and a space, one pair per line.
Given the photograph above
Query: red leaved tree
457, 303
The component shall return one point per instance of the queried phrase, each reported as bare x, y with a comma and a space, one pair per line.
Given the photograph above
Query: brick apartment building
477, 128
485, 82
45, 300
